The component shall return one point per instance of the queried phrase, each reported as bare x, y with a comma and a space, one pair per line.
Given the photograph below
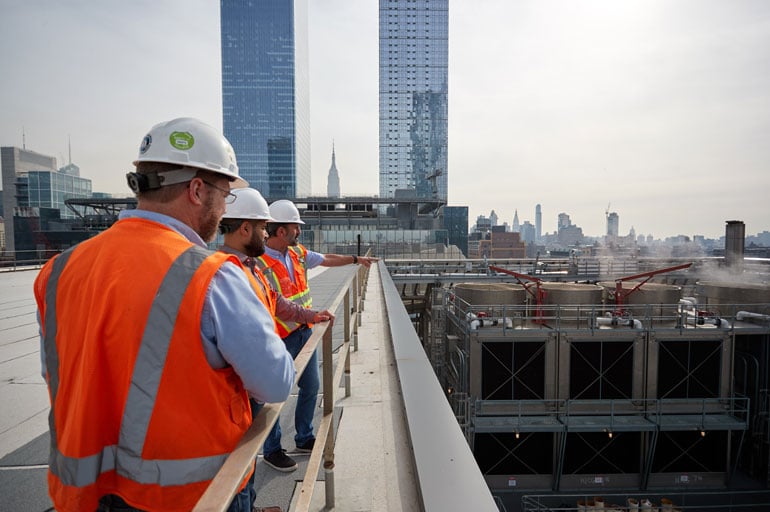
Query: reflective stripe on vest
274, 271
126, 457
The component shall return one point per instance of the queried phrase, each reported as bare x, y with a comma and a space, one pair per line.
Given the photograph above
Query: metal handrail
728, 500
653, 410
225, 484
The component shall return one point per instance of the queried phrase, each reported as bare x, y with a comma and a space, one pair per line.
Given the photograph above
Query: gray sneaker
280, 461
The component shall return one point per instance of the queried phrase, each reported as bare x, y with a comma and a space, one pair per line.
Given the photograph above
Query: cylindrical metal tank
571, 293
576, 302
491, 293
718, 293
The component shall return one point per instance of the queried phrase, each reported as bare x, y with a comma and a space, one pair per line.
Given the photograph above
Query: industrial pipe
741, 315
616, 321
694, 319
476, 322
491, 322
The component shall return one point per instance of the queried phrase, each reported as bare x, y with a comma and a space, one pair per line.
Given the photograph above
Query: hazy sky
659, 108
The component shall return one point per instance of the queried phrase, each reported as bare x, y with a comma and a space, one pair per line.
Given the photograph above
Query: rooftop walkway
372, 455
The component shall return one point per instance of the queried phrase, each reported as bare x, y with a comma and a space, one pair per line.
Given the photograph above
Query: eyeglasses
229, 196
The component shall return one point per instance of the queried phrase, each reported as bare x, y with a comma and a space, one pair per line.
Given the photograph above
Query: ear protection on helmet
150, 181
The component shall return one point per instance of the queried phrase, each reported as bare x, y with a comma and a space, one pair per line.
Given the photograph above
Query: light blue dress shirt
236, 328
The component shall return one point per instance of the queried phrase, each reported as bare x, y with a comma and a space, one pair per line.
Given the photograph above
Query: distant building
516, 228
456, 224
538, 223
502, 245
15, 165
47, 189
570, 235
483, 224
389, 227
265, 93
42, 220
414, 46
333, 181
528, 233
613, 224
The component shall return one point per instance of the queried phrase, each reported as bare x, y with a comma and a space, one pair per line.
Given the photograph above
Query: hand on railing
323, 316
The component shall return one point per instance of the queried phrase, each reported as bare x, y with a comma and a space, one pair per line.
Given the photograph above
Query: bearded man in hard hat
285, 265
152, 344
244, 226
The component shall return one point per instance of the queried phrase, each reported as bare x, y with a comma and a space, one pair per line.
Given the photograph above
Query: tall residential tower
414, 40
265, 93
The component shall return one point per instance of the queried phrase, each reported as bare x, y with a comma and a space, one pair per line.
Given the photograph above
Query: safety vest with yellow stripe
136, 409
266, 294
294, 290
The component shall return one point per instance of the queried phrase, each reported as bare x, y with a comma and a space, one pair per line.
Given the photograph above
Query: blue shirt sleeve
313, 259
238, 330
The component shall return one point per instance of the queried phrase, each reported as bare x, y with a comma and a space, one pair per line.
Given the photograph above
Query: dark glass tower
265, 96
414, 38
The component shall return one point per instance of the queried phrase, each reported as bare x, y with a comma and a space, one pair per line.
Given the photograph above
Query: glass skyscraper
265, 93
414, 40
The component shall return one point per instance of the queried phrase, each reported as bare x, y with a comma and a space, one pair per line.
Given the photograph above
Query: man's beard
256, 246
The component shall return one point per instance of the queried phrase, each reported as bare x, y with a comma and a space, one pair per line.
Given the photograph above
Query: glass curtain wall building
414, 37
46, 189
265, 93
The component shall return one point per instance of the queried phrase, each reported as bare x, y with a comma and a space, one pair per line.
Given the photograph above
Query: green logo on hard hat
181, 140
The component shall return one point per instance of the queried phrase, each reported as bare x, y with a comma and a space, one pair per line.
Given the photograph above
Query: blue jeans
306, 398
243, 501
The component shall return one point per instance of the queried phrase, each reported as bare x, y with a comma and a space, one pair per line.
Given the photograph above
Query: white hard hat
284, 211
191, 143
248, 204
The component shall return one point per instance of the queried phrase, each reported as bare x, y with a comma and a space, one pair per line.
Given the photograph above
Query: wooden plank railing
225, 484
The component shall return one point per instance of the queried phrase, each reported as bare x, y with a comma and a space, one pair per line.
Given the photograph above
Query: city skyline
659, 107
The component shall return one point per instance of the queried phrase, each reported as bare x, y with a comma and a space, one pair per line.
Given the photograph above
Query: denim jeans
244, 500
306, 398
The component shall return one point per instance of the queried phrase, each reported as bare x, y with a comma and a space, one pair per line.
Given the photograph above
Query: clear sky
658, 108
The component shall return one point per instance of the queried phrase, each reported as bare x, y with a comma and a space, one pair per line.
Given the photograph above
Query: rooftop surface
370, 472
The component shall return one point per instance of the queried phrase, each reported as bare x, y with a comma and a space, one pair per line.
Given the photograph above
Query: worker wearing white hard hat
137, 310
285, 265
244, 228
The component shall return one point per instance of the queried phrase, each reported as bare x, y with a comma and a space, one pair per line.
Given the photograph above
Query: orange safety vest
266, 294
296, 290
136, 409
